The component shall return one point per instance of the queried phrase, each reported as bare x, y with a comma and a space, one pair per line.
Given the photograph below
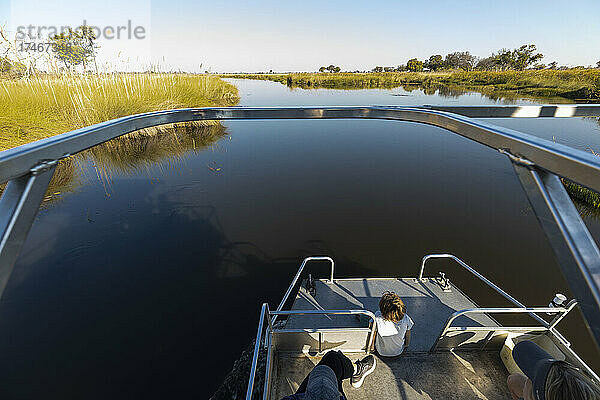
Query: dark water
145, 278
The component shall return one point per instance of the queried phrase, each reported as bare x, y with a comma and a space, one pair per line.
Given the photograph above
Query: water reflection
139, 152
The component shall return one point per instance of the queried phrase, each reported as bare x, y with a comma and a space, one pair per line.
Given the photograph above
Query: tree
487, 64
504, 59
74, 47
461, 60
525, 56
598, 64
414, 65
388, 69
377, 69
553, 65
333, 68
435, 63
518, 59
86, 41
322, 69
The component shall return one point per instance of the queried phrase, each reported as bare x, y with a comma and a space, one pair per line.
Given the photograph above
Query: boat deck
426, 302
411, 376
417, 373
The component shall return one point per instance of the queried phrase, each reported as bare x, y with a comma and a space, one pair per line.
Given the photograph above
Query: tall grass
571, 84
40, 107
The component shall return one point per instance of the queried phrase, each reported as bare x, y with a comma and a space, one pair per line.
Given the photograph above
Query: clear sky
234, 35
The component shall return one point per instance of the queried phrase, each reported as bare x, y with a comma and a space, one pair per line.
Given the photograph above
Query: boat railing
491, 331
545, 327
474, 272
264, 339
538, 163
299, 274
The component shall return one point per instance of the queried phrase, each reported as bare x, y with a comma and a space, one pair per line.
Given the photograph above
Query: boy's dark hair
392, 307
564, 381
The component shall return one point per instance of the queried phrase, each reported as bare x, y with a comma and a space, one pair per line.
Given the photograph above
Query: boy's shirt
390, 335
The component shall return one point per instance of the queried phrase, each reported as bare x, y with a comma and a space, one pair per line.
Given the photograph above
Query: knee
516, 384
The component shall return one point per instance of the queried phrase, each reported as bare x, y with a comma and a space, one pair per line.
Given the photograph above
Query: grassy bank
575, 84
37, 108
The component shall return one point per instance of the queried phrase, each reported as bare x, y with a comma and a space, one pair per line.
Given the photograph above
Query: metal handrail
482, 278
505, 310
578, 165
538, 164
297, 276
335, 312
264, 314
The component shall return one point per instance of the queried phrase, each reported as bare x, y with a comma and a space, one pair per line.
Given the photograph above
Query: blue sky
301, 36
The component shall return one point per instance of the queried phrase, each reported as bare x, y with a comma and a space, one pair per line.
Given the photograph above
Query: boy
393, 326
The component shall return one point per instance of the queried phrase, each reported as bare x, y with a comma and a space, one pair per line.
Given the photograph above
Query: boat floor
426, 302
444, 375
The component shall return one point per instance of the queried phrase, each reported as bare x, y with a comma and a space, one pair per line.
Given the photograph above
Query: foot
363, 368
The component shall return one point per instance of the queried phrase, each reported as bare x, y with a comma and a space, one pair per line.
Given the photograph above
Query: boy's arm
407, 338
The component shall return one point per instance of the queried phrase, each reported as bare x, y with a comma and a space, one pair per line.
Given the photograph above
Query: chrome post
19, 205
574, 247
269, 338
261, 321
560, 316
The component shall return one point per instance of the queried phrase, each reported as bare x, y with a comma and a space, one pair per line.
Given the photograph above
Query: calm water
145, 278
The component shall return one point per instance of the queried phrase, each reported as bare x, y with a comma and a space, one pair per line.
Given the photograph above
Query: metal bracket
517, 159
45, 165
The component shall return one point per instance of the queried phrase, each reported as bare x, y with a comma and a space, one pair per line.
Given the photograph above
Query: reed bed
40, 107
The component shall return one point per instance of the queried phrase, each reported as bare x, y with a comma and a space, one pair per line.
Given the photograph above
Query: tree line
518, 59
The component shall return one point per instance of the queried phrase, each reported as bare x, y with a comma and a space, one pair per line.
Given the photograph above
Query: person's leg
340, 364
519, 386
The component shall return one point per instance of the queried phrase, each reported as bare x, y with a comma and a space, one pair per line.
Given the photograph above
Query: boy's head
392, 307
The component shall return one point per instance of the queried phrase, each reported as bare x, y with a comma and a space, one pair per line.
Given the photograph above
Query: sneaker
363, 368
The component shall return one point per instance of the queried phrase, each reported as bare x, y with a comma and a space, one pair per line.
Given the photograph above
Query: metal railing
545, 328
485, 280
264, 315
562, 311
532, 311
537, 162
267, 315
335, 312
299, 273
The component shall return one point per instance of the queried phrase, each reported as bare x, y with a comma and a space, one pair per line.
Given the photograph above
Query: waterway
144, 277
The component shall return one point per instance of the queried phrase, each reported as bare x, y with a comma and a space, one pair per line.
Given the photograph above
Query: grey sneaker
363, 368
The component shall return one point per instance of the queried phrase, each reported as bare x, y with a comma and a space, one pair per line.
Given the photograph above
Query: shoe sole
359, 383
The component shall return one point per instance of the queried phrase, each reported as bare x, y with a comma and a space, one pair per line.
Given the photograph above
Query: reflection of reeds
37, 108
582, 194
66, 179
139, 150
134, 153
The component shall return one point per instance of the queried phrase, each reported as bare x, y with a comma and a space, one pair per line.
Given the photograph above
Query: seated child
393, 326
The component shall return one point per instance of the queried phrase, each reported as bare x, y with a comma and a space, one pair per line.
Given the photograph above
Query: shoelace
360, 368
